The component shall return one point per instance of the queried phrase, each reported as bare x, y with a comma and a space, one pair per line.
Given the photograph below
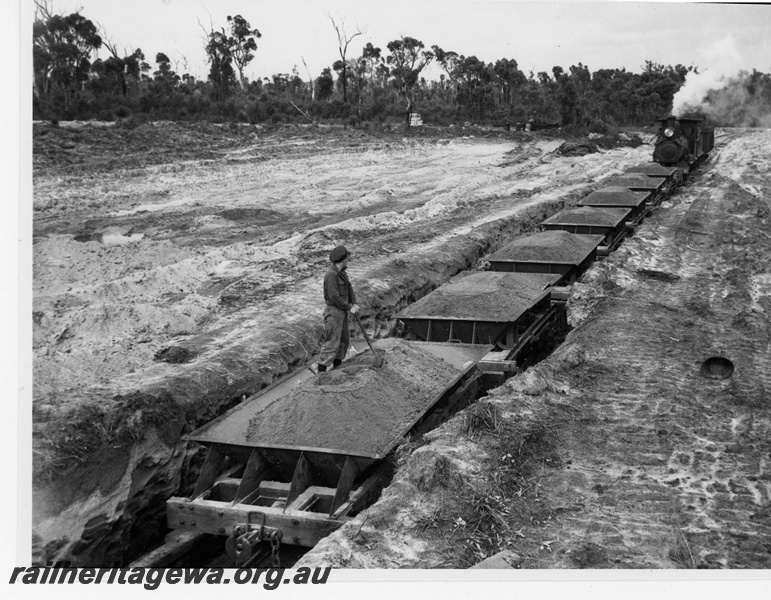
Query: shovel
378, 362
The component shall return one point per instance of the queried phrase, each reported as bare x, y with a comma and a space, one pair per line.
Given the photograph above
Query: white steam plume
723, 64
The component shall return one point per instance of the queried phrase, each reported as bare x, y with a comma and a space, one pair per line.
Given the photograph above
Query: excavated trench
210, 551
383, 401
140, 341
108, 542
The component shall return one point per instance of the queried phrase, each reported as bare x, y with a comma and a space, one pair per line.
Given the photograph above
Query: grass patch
480, 419
488, 514
681, 552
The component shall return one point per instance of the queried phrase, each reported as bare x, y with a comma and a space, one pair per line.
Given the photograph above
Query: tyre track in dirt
675, 473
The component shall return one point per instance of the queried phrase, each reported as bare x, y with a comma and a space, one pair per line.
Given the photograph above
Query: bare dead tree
111, 46
343, 40
206, 33
302, 112
42, 8
310, 79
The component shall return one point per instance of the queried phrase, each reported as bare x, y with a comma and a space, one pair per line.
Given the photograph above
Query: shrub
122, 112
598, 126
132, 122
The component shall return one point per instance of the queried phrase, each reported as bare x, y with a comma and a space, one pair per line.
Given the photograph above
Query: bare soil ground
177, 269
615, 452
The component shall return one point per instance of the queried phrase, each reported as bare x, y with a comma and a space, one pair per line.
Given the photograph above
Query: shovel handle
364, 331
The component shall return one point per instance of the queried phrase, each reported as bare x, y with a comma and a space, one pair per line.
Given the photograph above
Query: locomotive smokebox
682, 140
672, 143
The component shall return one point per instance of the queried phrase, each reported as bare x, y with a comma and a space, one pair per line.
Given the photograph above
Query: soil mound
486, 296
556, 245
589, 215
577, 149
357, 408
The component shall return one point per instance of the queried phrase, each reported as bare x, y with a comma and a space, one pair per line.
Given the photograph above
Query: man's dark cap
338, 254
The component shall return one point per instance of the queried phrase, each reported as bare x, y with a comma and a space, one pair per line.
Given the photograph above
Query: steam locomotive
682, 142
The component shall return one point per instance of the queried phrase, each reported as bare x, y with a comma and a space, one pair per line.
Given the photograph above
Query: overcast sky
538, 35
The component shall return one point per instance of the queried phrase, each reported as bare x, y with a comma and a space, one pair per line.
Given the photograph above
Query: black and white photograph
436, 291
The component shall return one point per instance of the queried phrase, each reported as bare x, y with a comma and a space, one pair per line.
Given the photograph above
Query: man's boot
321, 368
336, 363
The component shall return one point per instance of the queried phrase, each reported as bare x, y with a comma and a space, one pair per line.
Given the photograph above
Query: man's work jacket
338, 291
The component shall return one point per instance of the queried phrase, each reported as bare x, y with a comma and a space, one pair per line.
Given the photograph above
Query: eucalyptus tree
120, 73
367, 69
225, 49
242, 43
325, 85
62, 48
221, 73
407, 59
449, 61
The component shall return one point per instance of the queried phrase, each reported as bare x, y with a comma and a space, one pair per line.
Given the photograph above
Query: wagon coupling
245, 536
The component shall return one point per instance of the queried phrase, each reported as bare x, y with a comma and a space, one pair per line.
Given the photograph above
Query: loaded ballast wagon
296, 461
608, 222
554, 252
509, 311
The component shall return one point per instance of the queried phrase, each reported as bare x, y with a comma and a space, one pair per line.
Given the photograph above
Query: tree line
373, 85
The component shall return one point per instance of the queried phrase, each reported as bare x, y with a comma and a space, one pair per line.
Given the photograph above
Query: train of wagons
300, 458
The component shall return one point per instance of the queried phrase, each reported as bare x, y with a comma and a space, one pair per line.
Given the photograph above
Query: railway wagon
671, 176
493, 308
608, 222
297, 460
638, 202
638, 182
555, 252
509, 311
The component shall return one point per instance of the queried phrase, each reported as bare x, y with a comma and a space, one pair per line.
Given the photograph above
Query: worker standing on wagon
340, 300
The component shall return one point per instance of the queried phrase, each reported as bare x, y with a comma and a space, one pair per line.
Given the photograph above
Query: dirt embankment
616, 451
169, 285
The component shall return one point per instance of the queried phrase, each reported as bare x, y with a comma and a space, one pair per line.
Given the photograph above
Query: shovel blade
377, 359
